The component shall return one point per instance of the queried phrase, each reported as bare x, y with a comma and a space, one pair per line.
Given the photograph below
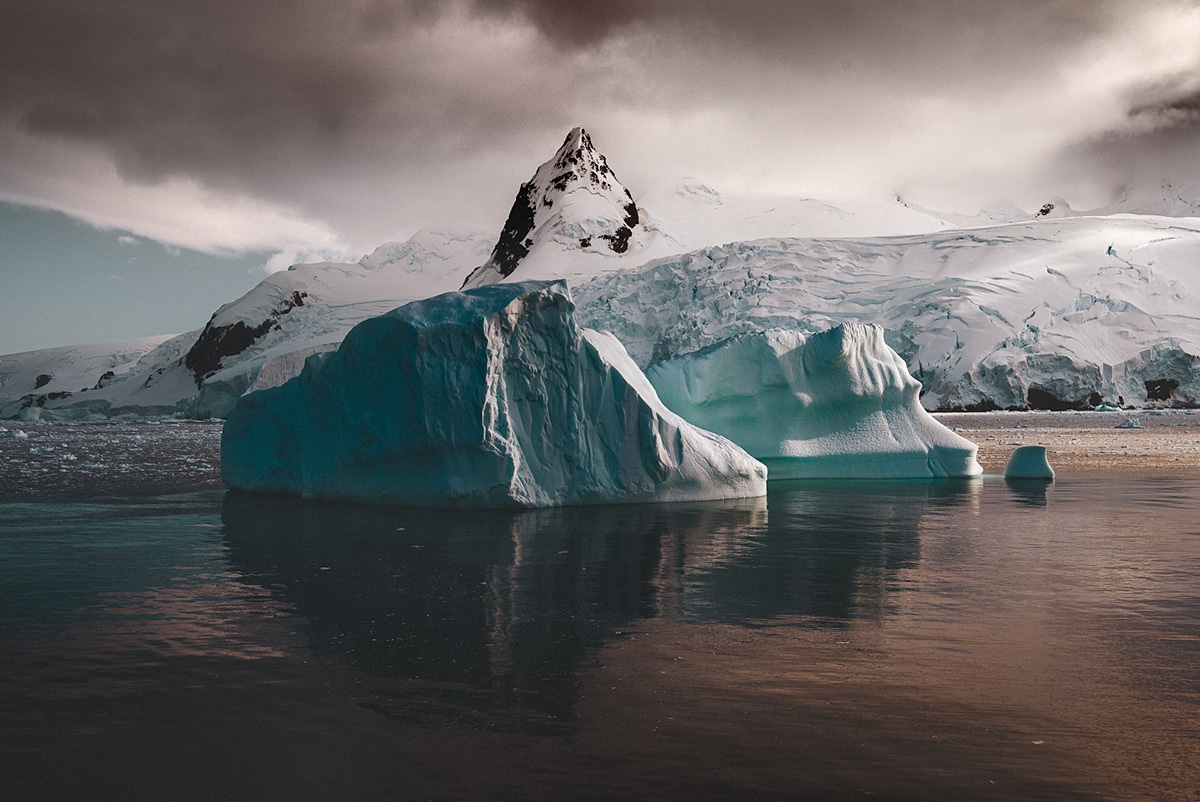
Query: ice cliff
840, 404
489, 397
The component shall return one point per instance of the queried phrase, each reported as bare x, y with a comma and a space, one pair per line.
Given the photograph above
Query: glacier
488, 397
1048, 314
839, 404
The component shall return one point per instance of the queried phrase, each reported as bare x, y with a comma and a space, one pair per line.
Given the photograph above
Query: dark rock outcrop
218, 342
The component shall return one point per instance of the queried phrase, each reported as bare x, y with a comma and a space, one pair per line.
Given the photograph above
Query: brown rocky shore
1150, 442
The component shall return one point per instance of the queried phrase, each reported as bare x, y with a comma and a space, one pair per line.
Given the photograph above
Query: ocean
986, 639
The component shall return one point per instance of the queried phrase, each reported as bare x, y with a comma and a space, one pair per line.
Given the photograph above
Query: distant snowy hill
1005, 308
261, 339
56, 374
1053, 313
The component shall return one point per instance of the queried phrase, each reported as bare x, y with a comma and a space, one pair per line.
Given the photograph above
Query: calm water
160, 638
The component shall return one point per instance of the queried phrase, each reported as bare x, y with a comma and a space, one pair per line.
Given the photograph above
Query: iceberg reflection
488, 615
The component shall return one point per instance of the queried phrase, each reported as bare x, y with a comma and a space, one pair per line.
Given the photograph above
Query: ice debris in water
489, 397
837, 404
1029, 462
1129, 423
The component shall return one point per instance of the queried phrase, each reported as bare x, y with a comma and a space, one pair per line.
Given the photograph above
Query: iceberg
1028, 462
839, 404
484, 398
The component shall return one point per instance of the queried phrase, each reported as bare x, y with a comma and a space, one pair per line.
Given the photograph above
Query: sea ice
1028, 462
837, 404
489, 397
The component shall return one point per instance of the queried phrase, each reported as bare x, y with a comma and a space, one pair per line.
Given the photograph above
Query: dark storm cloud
908, 32
358, 112
327, 108
183, 86
236, 90
1174, 103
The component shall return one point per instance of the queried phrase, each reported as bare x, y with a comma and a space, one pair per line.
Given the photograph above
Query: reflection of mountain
487, 615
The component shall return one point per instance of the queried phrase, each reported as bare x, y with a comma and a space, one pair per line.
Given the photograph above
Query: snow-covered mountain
1051, 310
262, 338
573, 219
58, 374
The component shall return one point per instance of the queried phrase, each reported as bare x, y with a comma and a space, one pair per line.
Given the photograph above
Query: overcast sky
301, 128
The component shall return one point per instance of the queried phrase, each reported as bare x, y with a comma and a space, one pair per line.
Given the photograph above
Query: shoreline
1165, 442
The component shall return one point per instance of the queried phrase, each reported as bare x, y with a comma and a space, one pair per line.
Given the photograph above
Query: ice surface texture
1029, 462
489, 397
838, 404
1044, 314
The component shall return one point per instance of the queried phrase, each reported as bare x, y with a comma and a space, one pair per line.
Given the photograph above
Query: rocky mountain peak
574, 199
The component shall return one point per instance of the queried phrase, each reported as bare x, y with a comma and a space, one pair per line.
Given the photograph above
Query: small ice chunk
1028, 462
1130, 423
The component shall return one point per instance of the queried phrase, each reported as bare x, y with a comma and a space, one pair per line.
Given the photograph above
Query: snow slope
31, 379
1048, 313
837, 405
490, 397
290, 315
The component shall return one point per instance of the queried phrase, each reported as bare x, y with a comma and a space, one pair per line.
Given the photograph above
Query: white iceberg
1028, 462
490, 397
837, 404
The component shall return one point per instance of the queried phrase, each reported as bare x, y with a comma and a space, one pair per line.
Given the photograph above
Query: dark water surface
894, 640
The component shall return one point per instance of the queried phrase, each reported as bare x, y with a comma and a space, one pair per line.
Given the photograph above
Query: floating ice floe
489, 397
1028, 462
1129, 423
837, 404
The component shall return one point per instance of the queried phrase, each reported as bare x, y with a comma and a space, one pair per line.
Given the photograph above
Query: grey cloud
295, 101
905, 31
359, 109
1169, 103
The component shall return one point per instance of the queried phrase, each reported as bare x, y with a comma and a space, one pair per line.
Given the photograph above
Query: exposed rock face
218, 342
840, 404
491, 397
